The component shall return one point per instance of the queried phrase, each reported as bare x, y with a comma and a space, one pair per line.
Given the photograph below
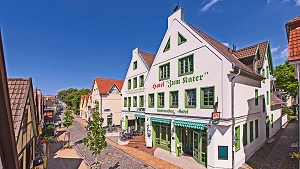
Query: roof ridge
106, 78
251, 46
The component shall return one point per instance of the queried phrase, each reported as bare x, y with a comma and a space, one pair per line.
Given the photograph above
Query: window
186, 65
245, 134
125, 102
264, 104
251, 131
142, 81
207, 97
190, 98
161, 100
168, 46
129, 84
129, 101
237, 138
181, 39
151, 101
272, 120
141, 101
174, 99
256, 97
164, 71
134, 101
268, 98
256, 128
134, 65
267, 69
135, 82
263, 74
223, 152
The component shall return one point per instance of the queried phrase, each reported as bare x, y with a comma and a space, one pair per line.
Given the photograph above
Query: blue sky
62, 44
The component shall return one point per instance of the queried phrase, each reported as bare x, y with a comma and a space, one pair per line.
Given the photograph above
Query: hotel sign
184, 80
138, 90
173, 111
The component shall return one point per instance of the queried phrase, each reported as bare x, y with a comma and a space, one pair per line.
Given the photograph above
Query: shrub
288, 111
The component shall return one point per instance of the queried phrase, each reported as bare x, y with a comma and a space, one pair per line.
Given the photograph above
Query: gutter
232, 115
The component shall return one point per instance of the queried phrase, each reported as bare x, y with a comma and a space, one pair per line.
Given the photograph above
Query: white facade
175, 127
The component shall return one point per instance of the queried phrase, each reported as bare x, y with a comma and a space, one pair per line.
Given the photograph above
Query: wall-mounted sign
215, 122
158, 85
173, 111
215, 115
183, 111
138, 90
107, 110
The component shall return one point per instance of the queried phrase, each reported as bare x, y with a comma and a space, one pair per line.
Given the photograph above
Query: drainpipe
232, 116
101, 106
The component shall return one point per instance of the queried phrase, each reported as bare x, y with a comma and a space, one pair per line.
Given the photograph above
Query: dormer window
181, 39
168, 46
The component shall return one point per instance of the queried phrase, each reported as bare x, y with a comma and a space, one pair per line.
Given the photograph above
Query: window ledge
188, 73
190, 106
173, 106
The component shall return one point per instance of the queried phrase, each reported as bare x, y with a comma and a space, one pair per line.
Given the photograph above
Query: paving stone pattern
111, 157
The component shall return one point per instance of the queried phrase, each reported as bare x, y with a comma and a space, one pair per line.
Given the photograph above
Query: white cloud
269, 1
211, 3
275, 49
226, 44
283, 54
297, 2
285, 0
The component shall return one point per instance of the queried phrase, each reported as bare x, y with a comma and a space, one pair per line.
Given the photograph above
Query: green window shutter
181, 39
129, 84
264, 105
168, 46
251, 131
237, 139
256, 97
125, 102
268, 98
245, 134
256, 128
272, 120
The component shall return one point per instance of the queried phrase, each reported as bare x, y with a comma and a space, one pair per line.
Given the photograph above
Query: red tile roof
294, 45
294, 20
104, 85
276, 100
246, 52
149, 58
225, 51
18, 92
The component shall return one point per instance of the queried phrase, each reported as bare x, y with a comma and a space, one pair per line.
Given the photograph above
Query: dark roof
276, 100
148, 58
104, 85
225, 51
18, 91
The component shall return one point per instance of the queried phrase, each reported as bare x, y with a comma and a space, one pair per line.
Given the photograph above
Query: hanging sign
215, 115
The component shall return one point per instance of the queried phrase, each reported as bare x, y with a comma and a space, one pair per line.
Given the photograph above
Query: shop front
161, 132
140, 123
191, 140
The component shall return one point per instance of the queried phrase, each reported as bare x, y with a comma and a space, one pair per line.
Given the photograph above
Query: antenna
233, 48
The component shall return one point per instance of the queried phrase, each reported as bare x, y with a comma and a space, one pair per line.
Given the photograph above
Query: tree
95, 136
67, 95
68, 121
76, 98
285, 79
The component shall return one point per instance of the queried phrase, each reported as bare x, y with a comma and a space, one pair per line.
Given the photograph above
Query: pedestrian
59, 124
55, 136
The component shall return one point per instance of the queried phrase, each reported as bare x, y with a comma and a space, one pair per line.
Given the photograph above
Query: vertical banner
148, 132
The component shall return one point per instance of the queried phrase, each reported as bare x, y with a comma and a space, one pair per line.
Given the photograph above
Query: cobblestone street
111, 157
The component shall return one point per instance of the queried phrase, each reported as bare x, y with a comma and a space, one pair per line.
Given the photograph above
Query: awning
139, 115
189, 124
160, 120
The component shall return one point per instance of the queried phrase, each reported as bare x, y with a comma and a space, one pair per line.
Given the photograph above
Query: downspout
232, 116
101, 106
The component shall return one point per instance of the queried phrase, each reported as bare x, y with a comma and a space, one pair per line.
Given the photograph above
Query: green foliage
68, 119
285, 79
48, 131
288, 111
72, 96
95, 136
77, 96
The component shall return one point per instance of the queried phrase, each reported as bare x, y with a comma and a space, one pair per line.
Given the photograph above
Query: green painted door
267, 127
179, 148
196, 146
203, 148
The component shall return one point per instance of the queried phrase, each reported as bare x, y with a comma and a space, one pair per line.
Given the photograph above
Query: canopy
160, 120
139, 115
189, 124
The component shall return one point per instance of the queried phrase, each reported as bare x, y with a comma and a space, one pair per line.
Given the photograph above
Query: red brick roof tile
294, 20
246, 52
104, 85
276, 100
294, 45
149, 58
18, 90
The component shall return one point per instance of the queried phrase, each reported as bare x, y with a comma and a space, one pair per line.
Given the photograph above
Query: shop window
163, 135
237, 138
134, 101
223, 152
134, 65
207, 97
141, 101
168, 46
174, 99
161, 100
129, 84
125, 102
129, 101
245, 134
256, 128
251, 131
186, 65
264, 105
181, 39
135, 82
190, 98
256, 97
142, 81
268, 98
151, 101
164, 71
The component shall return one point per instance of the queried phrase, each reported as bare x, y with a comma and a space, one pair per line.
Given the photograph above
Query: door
179, 147
267, 127
196, 140
203, 147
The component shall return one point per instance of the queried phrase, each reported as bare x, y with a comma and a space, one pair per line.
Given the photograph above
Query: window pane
191, 97
223, 152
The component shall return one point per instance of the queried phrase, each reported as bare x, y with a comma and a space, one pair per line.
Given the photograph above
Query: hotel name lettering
184, 80
173, 111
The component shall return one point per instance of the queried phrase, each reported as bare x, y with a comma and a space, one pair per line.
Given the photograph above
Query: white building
194, 75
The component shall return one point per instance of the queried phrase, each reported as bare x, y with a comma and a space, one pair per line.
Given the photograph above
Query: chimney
136, 50
176, 15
